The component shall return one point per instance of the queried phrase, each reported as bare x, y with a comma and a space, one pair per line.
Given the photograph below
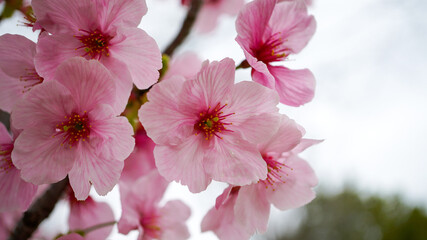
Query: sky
369, 60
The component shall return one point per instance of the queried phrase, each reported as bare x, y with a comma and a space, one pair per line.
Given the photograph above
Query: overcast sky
369, 59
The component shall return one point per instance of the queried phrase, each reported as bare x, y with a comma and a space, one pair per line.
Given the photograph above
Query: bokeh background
370, 62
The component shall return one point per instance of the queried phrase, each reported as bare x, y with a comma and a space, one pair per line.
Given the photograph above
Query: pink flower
102, 30
17, 72
288, 185
88, 213
16, 194
207, 128
269, 32
211, 10
69, 127
141, 211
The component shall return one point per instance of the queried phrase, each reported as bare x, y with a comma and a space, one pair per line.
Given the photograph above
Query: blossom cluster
91, 102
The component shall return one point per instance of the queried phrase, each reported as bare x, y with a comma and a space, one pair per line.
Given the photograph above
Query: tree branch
186, 27
38, 211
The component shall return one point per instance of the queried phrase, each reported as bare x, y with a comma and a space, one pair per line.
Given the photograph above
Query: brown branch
38, 211
186, 27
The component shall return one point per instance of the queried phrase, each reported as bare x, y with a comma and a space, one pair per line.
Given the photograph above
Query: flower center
75, 128
95, 43
31, 79
211, 122
5, 159
276, 172
150, 226
272, 50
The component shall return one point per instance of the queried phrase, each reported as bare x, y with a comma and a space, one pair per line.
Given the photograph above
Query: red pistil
272, 50
76, 127
276, 172
95, 43
31, 79
5, 159
211, 122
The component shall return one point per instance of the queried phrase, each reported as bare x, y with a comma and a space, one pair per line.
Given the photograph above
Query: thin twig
98, 226
38, 211
186, 27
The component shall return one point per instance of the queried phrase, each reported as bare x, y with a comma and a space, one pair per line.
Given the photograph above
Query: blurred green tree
348, 216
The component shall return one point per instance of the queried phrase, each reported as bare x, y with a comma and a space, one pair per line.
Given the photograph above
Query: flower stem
186, 27
38, 211
96, 227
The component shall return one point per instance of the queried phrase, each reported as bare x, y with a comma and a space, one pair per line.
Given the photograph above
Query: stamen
31, 79
5, 158
272, 49
276, 172
211, 122
74, 129
95, 43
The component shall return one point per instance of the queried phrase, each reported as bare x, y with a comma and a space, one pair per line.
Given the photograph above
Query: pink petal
152, 183
260, 72
140, 161
297, 189
84, 214
304, 144
46, 104
174, 214
184, 163
221, 199
59, 16
120, 13
52, 50
89, 82
11, 90
4, 135
187, 65
16, 55
252, 21
232, 7
285, 139
207, 18
16, 194
122, 80
291, 19
161, 117
130, 218
71, 236
254, 105
102, 172
222, 222
212, 85
295, 87
41, 157
140, 53
252, 209
235, 161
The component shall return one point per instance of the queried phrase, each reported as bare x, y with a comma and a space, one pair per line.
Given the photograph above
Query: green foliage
347, 216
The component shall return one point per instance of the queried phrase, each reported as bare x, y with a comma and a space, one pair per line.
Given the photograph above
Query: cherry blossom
16, 194
17, 71
269, 32
102, 30
142, 211
246, 209
70, 128
207, 128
